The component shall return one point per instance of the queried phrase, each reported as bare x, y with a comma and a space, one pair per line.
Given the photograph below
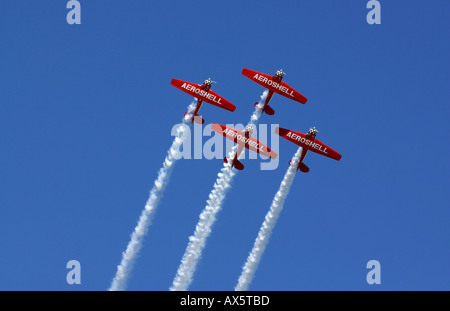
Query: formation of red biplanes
244, 139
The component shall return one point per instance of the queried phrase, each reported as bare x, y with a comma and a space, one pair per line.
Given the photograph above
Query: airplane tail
236, 163
268, 110
197, 119
302, 167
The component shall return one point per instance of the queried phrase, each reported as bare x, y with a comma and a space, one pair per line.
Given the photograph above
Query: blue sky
86, 113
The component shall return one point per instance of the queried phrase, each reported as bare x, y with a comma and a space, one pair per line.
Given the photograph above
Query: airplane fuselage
302, 157
197, 108
268, 98
238, 153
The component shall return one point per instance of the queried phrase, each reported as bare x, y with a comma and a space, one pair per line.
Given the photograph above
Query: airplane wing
281, 88
315, 146
238, 137
211, 97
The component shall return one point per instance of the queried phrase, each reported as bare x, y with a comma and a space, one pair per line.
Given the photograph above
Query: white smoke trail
207, 218
135, 244
270, 220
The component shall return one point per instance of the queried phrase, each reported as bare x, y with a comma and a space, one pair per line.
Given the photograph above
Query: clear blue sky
85, 118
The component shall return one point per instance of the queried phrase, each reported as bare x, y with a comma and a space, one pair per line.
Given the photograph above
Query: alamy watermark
203, 143
74, 15
74, 275
374, 15
374, 275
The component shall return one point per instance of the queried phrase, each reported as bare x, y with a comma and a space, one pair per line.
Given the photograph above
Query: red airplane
309, 143
274, 84
243, 139
202, 93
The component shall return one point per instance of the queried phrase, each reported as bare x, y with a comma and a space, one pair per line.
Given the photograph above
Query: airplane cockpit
279, 75
249, 130
312, 133
207, 84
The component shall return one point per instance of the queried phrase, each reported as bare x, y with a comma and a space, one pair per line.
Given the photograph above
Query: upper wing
281, 88
207, 96
250, 143
315, 146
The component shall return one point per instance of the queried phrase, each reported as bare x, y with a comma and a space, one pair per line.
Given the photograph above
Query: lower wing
250, 143
210, 97
312, 145
281, 88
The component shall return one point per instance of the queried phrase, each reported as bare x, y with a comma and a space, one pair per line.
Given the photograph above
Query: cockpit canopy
280, 73
313, 131
249, 130
209, 81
